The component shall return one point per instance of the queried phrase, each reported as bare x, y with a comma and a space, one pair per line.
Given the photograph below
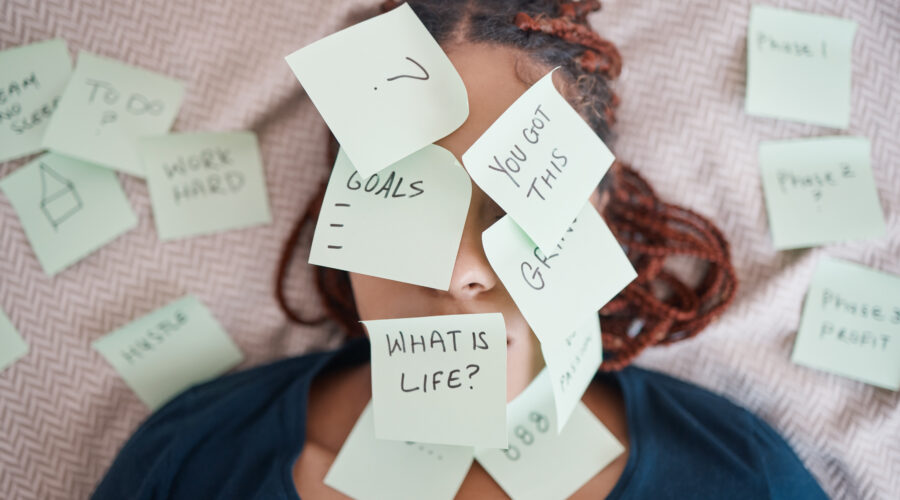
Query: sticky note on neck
32, 80
440, 379
204, 182
168, 350
799, 66
851, 323
572, 362
541, 464
12, 346
559, 291
403, 223
540, 162
68, 208
367, 468
400, 93
106, 106
819, 191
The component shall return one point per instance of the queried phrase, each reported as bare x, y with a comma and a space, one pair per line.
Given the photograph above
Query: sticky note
12, 346
400, 93
68, 208
369, 468
560, 290
851, 323
32, 78
403, 223
106, 106
440, 379
819, 191
572, 362
541, 464
798, 66
168, 350
203, 182
539, 161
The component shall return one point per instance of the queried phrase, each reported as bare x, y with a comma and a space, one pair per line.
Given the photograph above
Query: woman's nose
472, 273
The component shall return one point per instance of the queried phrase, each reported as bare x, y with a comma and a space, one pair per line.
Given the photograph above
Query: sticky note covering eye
12, 346
203, 182
851, 324
106, 106
798, 66
369, 468
819, 191
32, 78
540, 162
400, 93
403, 223
572, 363
169, 350
68, 208
440, 379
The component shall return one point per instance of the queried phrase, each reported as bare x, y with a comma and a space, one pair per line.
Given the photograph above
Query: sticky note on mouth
440, 379
400, 93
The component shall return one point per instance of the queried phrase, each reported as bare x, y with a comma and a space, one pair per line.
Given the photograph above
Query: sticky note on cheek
540, 162
403, 223
106, 106
572, 363
851, 324
32, 80
400, 93
440, 379
12, 346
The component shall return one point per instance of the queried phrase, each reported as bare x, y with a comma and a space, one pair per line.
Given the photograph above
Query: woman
273, 431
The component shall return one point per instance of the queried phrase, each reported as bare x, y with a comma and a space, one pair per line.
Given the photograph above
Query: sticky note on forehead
851, 323
384, 87
559, 291
403, 223
440, 379
540, 162
106, 106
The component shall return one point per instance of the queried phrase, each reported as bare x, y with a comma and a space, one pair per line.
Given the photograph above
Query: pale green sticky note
539, 161
572, 362
440, 379
203, 182
367, 468
540, 463
851, 323
799, 66
400, 94
558, 291
106, 106
403, 223
32, 78
12, 346
68, 208
820, 190
168, 350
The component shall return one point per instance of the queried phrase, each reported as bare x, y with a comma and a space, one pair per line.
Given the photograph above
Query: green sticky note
851, 324
819, 191
572, 362
203, 182
68, 208
367, 468
400, 94
403, 223
31, 80
106, 106
540, 463
440, 379
798, 66
540, 162
172, 348
12, 346
558, 291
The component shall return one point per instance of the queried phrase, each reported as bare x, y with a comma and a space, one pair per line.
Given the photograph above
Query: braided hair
656, 308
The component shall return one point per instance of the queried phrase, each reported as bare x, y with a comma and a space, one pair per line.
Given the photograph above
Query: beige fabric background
64, 412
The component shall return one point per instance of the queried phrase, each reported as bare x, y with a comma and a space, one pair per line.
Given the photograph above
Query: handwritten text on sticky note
572, 363
12, 346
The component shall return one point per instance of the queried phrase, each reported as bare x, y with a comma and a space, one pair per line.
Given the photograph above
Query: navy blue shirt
238, 437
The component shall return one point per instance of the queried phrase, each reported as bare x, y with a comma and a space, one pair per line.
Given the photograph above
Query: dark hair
658, 307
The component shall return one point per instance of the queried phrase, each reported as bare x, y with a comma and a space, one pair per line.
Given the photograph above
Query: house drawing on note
59, 198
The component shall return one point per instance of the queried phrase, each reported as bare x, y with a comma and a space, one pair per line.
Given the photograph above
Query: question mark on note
472, 372
414, 77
